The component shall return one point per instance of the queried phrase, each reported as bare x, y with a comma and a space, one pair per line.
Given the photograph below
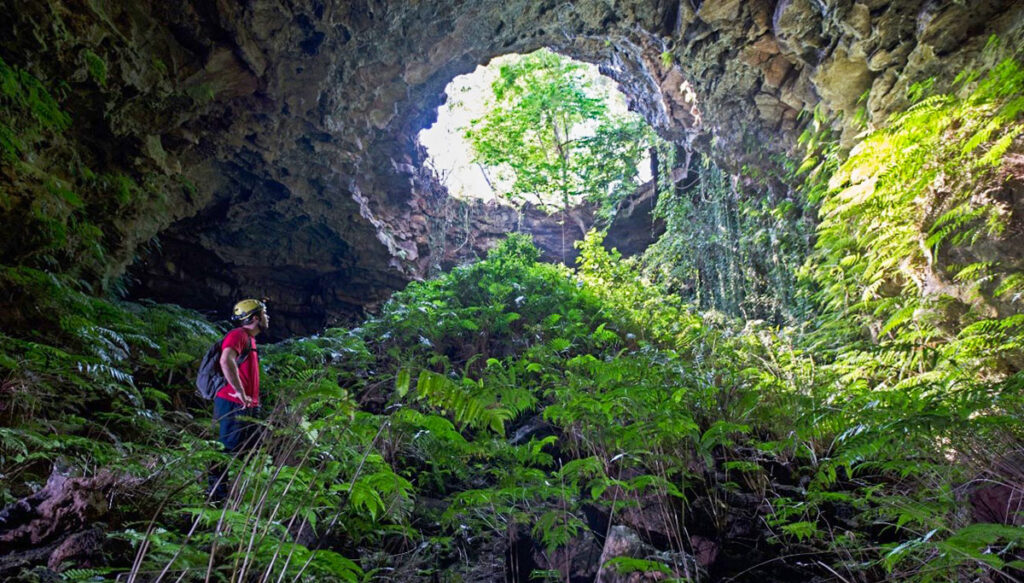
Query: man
240, 396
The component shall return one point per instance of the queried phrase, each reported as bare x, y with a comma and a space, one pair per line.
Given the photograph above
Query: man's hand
241, 396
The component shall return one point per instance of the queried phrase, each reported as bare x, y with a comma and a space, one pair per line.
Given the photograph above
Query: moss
10, 85
154, 186
63, 197
159, 66
10, 146
188, 186
86, 173
97, 67
202, 93
124, 187
21, 90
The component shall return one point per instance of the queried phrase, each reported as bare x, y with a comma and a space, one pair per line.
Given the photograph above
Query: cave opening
551, 140
481, 97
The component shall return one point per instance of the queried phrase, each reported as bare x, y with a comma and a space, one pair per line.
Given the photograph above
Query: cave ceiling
283, 133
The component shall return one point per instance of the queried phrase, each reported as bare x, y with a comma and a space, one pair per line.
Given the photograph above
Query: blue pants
237, 435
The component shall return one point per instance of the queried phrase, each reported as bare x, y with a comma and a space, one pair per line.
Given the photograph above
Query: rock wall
275, 141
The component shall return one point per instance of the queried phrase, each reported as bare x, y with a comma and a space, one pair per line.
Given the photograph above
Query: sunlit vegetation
908, 195
550, 139
515, 399
730, 252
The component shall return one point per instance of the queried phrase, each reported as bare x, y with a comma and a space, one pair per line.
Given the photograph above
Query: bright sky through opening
450, 154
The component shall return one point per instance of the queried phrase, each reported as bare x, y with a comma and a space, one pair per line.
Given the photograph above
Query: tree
551, 139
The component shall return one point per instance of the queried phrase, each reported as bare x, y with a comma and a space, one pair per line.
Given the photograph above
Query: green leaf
402, 382
802, 530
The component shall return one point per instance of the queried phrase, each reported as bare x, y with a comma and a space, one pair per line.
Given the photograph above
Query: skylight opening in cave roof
450, 154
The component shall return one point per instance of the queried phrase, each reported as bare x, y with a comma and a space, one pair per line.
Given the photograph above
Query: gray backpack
210, 378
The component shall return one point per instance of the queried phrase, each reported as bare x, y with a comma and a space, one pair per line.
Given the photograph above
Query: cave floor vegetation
521, 421
502, 421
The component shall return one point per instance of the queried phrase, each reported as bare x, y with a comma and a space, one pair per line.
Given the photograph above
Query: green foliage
625, 565
160, 66
511, 396
904, 195
21, 90
10, 149
64, 216
202, 93
86, 394
898, 367
470, 403
96, 66
730, 252
645, 399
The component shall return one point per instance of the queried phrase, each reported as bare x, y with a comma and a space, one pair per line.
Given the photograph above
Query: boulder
640, 563
59, 524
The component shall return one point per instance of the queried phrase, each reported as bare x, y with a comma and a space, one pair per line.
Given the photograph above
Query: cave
155, 155
283, 139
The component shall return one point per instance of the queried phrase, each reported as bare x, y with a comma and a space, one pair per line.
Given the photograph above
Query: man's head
252, 315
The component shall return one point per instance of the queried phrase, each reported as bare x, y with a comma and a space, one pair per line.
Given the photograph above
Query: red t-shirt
248, 371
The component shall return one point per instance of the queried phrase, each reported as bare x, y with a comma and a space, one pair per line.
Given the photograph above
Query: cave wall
273, 142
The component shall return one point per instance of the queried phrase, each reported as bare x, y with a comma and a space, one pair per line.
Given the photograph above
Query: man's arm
229, 366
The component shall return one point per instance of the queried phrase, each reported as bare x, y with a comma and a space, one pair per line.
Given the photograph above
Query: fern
467, 408
85, 575
626, 565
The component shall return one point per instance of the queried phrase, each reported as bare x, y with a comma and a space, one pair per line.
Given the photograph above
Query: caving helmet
246, 309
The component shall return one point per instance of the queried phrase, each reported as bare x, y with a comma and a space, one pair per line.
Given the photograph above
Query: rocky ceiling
283, 131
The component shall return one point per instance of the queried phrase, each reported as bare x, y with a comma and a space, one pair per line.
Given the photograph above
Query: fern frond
467, 409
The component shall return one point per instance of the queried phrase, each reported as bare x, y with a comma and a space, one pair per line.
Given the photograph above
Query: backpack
210, 378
